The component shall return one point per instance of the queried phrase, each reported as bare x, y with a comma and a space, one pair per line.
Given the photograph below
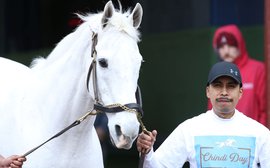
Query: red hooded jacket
253, 101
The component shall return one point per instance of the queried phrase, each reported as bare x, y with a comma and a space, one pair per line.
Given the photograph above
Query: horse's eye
103, 62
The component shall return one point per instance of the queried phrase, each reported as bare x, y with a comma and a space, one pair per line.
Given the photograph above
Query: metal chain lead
125, 108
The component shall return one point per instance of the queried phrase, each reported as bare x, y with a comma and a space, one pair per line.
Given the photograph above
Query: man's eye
216, 85
232, 86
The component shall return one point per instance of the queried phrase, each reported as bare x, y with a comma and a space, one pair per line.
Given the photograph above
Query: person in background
230, 46
13, 161
220, 137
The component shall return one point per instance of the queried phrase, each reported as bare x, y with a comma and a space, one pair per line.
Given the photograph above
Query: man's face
228, 53
224, 93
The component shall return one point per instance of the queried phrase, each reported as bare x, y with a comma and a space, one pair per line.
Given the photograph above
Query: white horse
37, 102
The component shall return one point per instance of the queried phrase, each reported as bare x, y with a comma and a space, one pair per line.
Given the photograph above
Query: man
229, 43
221, 137
12, 161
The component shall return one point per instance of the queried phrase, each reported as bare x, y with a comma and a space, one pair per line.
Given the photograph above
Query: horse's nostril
134, 136
118, 130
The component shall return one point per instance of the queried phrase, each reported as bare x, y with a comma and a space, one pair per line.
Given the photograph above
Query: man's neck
224, 115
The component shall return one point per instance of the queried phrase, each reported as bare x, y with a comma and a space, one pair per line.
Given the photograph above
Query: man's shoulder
251, 123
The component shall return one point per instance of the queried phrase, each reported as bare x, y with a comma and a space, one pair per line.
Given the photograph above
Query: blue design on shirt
224, 151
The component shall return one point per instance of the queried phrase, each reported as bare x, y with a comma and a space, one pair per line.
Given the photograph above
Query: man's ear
241, 92
207, 92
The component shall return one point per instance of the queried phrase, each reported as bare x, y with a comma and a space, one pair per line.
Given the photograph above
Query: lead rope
81, 119
144, 130
75, 123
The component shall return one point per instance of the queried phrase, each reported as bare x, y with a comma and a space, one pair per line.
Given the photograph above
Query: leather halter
114, 108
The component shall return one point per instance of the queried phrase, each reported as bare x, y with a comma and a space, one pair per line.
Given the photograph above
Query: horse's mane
118, 21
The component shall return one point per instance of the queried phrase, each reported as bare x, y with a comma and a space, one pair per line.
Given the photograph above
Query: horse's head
117, 67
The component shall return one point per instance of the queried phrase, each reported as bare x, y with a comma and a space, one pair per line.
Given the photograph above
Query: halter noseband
113, 108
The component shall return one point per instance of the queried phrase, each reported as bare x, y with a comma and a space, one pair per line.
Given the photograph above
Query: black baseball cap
224, 69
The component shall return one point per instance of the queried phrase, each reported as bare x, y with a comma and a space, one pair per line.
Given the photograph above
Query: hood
234, 30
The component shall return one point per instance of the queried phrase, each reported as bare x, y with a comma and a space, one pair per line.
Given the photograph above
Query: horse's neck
61, 89
61, 97
64, 93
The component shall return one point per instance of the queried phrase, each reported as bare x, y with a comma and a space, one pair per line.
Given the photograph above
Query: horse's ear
136, 15
107, 13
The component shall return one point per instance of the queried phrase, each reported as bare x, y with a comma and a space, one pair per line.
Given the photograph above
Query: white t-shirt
210, 141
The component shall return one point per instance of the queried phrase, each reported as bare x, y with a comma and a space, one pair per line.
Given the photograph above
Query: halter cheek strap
113, 108
93, 67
